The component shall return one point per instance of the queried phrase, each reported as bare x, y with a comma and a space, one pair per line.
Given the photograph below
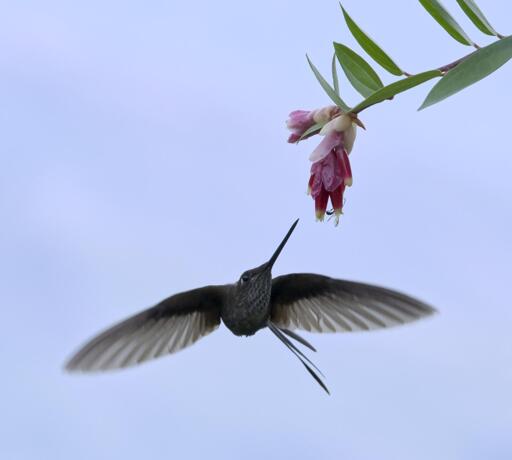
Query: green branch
453, 77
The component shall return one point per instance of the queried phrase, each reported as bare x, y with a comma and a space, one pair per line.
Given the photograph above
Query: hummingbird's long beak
270, 263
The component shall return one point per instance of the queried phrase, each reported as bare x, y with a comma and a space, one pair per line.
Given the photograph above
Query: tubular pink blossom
337, 199
330, 172
329, 177
321, 204
300, 119
298, 123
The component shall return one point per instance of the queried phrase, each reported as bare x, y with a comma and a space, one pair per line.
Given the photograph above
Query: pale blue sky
143, 153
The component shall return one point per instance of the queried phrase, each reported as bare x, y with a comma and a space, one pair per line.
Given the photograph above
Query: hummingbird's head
254, 275
253, 287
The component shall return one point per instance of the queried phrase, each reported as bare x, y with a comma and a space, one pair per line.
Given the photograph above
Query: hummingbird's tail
310, 367
298, 338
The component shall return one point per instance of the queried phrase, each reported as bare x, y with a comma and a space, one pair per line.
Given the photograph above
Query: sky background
143, 152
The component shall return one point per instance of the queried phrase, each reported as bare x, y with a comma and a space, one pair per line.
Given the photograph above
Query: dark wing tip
69, 367
74, 365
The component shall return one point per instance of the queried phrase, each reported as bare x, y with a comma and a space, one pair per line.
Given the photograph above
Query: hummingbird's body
247, 307
307, 301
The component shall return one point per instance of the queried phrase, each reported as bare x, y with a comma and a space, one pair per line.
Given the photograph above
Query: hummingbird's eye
244, 278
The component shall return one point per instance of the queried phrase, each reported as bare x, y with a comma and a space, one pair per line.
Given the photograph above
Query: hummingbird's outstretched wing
318, 303
169, 326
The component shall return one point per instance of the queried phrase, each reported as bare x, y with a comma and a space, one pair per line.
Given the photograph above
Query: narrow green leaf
335, 80
478, 65
446, 21
315, 129
399, 86
360, 74
373, 50
327, 88
477, 17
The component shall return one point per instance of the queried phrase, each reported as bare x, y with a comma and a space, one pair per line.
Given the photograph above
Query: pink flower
300, 121
330, 172
329, 177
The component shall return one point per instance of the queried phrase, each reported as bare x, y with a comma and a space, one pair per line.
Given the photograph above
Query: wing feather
173, 324
318, 303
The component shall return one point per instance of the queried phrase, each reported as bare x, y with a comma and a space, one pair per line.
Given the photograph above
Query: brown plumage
310, 302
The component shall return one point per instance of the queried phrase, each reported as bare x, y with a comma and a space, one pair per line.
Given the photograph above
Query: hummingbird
304, 301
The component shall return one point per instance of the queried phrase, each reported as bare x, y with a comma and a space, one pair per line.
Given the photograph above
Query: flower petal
347, 169
329, 142
327, 128
310, 184
293, 138
300, 120
340, 124
321, 204
332, 171
337, 199
350, 137
315, 181
324, 114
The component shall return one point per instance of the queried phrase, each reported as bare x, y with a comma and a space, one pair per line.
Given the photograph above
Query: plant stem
443, 69
447, 67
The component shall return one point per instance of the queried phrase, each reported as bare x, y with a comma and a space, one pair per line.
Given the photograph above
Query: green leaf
360, 74
335, 80
315, 129
477, 17
327, 88
478, 65
445, 19
373, 50
399, 86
